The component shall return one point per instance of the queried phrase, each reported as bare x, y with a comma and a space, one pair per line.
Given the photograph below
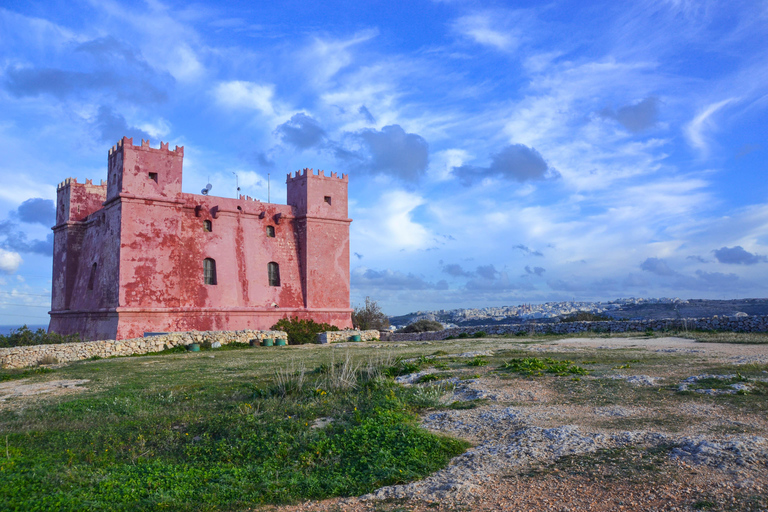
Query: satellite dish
207, 189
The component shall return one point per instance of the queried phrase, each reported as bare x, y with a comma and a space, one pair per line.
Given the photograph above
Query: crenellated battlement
249, 198
145, 146
73, 181
310, 173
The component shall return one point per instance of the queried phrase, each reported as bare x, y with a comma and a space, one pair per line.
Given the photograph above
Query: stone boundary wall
20, 357
757, 323
337, 336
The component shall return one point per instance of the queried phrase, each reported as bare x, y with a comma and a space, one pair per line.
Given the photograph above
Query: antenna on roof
207, 188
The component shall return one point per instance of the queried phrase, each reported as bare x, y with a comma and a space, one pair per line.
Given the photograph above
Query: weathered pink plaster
147, 241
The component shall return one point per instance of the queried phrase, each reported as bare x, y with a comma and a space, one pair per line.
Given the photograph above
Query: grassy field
217, 429
236, 428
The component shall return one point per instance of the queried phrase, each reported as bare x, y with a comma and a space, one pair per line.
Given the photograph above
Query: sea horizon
6, 329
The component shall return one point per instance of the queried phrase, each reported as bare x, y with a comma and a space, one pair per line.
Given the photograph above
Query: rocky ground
628, 440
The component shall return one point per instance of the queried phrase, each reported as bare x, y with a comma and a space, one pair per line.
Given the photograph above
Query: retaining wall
337, 336
20, 357
758, 323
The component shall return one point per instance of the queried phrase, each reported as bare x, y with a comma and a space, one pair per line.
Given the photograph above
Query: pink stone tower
136, 254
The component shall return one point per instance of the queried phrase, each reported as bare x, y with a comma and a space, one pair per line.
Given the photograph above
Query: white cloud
166, 42
702, 122
157, 128
239, 94
389, 224
184, 64
9, 261
327, 57
442, 162
480, 28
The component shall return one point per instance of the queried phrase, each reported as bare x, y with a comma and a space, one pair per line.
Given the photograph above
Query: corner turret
318, 195
143, 171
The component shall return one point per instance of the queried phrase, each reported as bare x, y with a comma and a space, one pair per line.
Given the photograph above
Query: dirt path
596, 443
723, 351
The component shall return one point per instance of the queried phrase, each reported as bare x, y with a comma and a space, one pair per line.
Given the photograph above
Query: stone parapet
757, 323
337, 336
20, 357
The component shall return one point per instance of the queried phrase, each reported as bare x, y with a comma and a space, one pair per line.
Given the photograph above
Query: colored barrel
355, 337
268, 342
193, 347
280, 342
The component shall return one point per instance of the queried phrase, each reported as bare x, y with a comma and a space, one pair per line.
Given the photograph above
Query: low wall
758, 323
20, 357
337, 336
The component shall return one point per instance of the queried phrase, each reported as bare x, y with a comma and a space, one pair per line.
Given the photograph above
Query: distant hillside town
621, 309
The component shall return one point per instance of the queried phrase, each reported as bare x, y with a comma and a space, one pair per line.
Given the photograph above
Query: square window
153, 176
328, 199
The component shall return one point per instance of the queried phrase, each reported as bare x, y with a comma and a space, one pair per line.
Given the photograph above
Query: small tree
369, 316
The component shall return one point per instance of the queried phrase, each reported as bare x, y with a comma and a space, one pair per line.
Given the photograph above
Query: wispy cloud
484, 29
697, 130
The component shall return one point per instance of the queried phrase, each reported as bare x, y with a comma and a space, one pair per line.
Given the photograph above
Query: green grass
531, 366
6, 375
187, 432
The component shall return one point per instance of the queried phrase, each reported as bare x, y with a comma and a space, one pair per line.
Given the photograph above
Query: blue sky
498, 152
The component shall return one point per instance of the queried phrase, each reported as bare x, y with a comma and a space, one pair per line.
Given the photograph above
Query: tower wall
320, 207
85, 260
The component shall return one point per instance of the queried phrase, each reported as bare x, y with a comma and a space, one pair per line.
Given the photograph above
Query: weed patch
6, 375
531, 366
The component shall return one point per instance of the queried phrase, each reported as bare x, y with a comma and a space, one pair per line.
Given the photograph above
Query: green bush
423, 325
24, 336
302, 331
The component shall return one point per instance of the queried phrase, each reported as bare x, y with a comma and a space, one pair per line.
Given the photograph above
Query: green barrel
268, 342
280, 342
355, 337
193, 347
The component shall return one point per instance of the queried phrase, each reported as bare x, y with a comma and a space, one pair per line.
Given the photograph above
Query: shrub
49, 359
480, 334
302, 331
24, 336
586, 316
423, 325
369, 316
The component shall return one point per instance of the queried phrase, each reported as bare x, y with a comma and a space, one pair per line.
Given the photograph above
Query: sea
6, 329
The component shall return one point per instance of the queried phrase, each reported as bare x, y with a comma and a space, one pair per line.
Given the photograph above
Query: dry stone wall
20, 357
337, 336
757, 323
